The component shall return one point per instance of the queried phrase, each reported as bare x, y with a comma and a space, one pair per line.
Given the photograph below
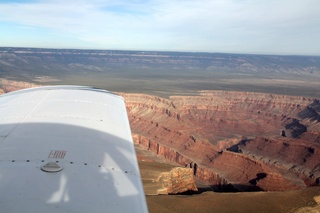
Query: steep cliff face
177, 180
162, 178
300, 157
196, 131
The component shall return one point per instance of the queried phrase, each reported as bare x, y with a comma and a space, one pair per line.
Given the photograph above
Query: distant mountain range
65, 65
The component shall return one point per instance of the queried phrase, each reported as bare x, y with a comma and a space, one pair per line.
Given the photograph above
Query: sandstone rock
317, 199
178, 180
9, 86
311, 209
163, 178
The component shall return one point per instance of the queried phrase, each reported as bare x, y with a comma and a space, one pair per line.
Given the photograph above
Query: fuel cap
51, 167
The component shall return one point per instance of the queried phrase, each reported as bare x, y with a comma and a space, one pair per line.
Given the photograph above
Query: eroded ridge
238, 141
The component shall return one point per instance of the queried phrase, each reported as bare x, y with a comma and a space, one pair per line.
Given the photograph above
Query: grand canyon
238, 141
251, 123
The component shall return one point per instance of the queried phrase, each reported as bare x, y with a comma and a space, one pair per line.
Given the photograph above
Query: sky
285, 27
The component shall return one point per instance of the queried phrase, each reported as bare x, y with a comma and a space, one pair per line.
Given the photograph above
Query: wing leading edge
67, 149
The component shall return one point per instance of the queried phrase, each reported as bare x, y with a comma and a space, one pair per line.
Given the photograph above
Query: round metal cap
51, 167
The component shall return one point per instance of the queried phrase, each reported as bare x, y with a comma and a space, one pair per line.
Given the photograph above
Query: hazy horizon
242, 27
142, 50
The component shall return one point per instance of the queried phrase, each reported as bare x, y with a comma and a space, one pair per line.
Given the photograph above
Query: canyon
235, 141
236, 122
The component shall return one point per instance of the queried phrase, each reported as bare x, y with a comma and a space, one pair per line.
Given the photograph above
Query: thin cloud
206, 25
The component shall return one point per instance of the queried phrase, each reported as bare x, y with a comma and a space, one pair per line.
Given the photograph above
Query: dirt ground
246, 202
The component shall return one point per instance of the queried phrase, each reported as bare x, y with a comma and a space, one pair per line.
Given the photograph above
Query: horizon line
173, 51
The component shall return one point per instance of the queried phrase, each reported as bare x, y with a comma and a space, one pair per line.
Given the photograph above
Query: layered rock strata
177, 180
162, 178
207, 133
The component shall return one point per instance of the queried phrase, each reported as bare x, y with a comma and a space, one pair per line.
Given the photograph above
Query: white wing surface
67, 149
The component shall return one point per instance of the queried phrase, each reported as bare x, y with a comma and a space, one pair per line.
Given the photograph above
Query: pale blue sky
235, 26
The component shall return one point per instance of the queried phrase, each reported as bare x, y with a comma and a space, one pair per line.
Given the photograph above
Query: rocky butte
235, 141
159, 178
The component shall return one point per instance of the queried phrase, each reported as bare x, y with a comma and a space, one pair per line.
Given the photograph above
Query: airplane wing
67, 149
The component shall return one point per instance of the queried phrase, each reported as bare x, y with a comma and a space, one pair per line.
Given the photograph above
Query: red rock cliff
195, 131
